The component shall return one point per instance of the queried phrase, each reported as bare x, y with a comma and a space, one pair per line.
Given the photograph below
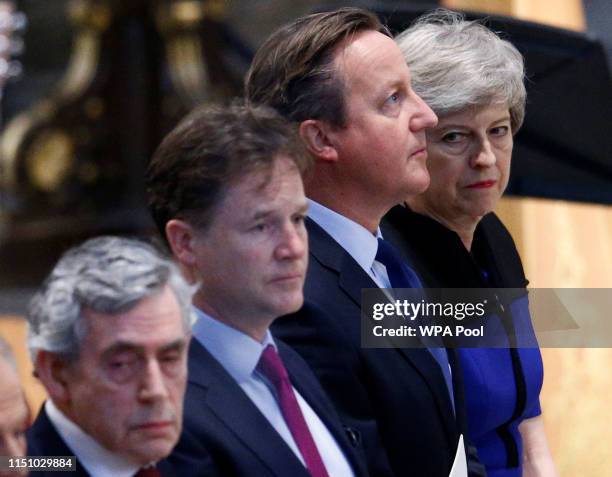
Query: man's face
13, 415
252, 257
382, 150
126, 388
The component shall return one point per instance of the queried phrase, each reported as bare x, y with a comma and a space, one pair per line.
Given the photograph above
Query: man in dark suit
225, 189
342, 80
109, 333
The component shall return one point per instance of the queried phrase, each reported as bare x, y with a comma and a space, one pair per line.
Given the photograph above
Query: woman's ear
314, 134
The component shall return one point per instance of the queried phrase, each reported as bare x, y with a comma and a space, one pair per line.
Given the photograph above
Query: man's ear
180, 236
54, 372
315, 136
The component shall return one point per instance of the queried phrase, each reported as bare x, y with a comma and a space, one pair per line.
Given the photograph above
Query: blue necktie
402, 276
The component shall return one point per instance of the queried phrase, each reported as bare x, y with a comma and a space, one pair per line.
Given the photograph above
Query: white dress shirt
97, 460
239, 354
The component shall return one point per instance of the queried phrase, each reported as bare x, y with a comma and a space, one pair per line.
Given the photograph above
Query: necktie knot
271, 366
385, 253
400, 274
150, 471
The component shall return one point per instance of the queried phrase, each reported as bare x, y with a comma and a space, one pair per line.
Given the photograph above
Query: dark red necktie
271, 366
148, 472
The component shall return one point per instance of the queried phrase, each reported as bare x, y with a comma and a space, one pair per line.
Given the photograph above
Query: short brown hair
211, 148
293, 72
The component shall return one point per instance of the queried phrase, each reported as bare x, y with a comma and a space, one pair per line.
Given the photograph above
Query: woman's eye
500, 131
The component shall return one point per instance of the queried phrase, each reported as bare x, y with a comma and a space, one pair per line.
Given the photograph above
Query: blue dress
502, 385
499, 396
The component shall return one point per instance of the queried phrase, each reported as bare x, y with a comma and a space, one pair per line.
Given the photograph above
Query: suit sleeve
191, 459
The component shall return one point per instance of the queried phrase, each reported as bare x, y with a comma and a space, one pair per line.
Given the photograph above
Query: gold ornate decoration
26, 139
181, 23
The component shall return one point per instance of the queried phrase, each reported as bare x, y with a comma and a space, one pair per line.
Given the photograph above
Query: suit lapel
44, 440
329, 253
233, 407
310, 389
352, 279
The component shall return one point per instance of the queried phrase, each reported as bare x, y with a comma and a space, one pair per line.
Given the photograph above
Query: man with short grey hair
14, 411
108, 335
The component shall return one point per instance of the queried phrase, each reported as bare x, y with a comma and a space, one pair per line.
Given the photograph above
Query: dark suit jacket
220, 418
44, 440
396, 397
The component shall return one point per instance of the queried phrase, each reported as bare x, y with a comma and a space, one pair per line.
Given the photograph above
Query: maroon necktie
148, 472
271, 366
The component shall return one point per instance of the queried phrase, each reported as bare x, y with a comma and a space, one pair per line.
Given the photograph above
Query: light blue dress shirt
239, 354
359, 242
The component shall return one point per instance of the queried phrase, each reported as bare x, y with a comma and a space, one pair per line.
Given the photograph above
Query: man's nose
153, 384
293, 242
424, 117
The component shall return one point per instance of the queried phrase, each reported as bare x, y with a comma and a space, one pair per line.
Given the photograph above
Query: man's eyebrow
122, 347
127, 346
177, 345
262, 213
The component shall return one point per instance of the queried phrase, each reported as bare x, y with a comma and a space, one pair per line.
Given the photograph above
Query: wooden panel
501, 7
565, 245
561, 13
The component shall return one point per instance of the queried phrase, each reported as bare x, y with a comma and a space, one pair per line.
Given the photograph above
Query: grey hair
107, 275
456, 64
6, 353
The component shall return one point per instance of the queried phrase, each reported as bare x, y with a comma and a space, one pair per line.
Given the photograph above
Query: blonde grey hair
456, 64
107, 275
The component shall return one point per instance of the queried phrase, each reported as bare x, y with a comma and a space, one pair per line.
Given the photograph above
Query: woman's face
469, 162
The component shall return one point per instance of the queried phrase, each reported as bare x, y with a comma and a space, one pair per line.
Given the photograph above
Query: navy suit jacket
222, 421
44, 440
396, 398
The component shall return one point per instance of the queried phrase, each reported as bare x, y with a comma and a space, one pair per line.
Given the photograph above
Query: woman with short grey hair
473, 81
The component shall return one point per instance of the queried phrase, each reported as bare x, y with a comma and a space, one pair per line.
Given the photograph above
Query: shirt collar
237, 352
358, 241
97, 460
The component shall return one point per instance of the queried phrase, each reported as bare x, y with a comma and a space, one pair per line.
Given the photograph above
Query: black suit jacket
44, 440
394, 397
222, 420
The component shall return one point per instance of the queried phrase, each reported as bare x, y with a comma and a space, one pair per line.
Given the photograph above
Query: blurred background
91, 86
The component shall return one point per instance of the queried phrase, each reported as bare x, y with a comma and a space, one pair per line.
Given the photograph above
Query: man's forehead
264, 181
160, 311
368, 50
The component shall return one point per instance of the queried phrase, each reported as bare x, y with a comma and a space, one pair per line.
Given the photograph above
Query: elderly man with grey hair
14, 411
108, 335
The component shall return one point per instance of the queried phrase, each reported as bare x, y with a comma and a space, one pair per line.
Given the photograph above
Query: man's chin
290, 306
152, 450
